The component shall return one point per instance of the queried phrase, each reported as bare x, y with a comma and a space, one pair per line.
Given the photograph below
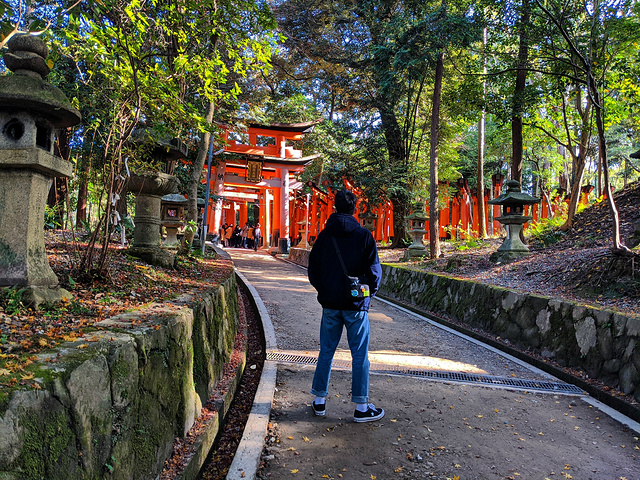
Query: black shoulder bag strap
335, 244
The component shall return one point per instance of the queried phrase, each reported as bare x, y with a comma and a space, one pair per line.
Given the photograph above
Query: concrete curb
246, 461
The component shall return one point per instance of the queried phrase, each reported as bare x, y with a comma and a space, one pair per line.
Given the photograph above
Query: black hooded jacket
360, 255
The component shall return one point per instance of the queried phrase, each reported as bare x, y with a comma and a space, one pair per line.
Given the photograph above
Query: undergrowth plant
11, 300
545, 231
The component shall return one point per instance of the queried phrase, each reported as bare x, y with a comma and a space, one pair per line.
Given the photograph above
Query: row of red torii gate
261, 172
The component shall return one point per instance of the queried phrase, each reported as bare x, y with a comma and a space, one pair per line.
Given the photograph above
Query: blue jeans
357, 325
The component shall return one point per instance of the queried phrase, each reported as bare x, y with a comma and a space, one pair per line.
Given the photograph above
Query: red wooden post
444, 218
496, 180
486, 210
455, 215
475, 223
391, 229
585, 190
465, 205
313, 219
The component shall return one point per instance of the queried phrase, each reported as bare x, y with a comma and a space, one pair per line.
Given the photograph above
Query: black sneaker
371, 415
318, 409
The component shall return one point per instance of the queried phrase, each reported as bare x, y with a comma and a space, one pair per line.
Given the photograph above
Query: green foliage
11, 300
52, 217
545, 231
469, 244
190, 227
60, 309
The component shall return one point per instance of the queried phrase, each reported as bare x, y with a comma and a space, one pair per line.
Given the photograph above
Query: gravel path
397, 338
431, 430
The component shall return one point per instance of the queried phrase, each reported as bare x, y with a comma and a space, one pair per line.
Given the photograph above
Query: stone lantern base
512, 248
507, 257
33, 297
154, 256
413, 253
417, 248
171, 241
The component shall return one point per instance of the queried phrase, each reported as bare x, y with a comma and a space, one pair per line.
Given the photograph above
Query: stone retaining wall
602, 342
112, 404
299, 256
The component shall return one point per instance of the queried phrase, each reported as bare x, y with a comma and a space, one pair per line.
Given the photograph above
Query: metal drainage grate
514, 383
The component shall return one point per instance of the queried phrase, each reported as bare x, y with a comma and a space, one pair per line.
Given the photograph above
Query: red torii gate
262, 170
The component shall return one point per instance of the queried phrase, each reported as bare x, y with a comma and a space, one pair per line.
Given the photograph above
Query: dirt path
432, 429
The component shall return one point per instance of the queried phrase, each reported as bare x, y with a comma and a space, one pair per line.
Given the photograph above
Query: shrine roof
297, 162
304, 127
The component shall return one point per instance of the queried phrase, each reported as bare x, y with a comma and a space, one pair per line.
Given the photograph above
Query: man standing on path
344, 245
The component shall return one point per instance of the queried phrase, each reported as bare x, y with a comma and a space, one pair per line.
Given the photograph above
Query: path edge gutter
246, 460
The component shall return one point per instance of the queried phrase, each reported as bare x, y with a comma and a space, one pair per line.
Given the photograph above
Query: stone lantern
512, 202
417, 221
172, 212
304, 243
149, 188
368, 220
31, 109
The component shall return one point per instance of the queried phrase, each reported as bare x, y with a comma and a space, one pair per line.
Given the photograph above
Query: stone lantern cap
26, 90
418, 213
514, 196
172, 209
173, 148
174, 199
368, 215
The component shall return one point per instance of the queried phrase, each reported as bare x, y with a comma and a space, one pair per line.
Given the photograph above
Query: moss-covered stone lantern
149, 186
31, 109
513, 218
368, 220
172, 208
417, 222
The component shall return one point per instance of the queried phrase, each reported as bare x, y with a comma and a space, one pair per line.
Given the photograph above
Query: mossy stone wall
112, 408
602, 342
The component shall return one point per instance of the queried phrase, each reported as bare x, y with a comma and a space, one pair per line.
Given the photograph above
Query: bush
545, 231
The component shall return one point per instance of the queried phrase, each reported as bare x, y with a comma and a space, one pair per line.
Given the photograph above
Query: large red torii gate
262, 170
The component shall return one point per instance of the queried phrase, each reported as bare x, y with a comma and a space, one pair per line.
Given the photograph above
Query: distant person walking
227, 235
257, 235
243, 235
342, 251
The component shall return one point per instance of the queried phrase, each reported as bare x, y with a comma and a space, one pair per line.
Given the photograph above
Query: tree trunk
434, 206
194, 181
83, 191
399, 223
579, 161
482, 228
518, 95
60, 185
618, 247
397, 157
575, 196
